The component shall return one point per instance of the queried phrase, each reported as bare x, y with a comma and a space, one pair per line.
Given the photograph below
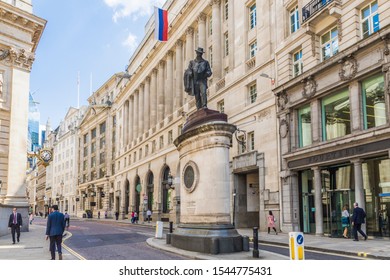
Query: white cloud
132, 8
130, 42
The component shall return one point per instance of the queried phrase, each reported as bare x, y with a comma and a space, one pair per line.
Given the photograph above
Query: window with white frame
294, 20
251, 141
329, 43
252, 49
370, 19
297, 63
221, 106
252, 16
226, 40
252, 93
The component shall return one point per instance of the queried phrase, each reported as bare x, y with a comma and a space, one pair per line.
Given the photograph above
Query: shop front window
304, 126
376, 182
336, 116
374, 107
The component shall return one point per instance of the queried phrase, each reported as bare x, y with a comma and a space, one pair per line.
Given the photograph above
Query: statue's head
199, 51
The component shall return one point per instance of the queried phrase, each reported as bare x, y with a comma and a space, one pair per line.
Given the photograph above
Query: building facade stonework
21, 32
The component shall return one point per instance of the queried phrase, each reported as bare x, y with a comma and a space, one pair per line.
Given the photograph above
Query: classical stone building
97, 149
21, 31
237, 37
333, 113
64, 168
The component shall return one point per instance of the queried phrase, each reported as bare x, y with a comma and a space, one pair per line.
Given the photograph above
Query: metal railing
313, 8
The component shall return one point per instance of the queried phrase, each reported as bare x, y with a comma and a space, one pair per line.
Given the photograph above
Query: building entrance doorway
334, 201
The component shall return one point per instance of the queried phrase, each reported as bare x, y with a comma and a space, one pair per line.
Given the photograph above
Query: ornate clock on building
46, 155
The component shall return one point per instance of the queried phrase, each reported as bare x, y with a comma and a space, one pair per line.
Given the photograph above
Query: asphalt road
113, 241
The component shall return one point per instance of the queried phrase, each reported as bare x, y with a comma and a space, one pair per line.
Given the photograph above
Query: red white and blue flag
161, 20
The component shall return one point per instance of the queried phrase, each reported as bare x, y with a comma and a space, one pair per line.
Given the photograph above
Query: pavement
34, 246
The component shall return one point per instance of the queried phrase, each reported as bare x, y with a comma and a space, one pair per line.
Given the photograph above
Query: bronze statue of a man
195, 79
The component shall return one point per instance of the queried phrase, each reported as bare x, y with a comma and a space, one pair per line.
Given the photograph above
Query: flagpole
78, 90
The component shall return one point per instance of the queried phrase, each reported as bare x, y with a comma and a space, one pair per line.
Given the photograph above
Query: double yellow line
69, 235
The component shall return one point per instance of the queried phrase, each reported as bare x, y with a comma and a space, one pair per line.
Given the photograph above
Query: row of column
162, 91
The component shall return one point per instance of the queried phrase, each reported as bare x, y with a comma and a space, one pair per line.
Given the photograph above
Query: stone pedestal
205, 193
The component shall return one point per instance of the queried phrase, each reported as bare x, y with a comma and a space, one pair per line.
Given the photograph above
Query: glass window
251, 141
252, 16
86, 138
374, 107
102, 128
161, 141
297, 63
93, 147
370, 19
241, 144
179, 129
221, 106
252, 93
252, 49
304, 126
226, 10
170, 137
330, 43
211, 56
93, 133
211, 25
294, 20
336, 115
226, 43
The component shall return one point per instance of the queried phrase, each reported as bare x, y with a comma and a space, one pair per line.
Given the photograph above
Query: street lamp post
234, 207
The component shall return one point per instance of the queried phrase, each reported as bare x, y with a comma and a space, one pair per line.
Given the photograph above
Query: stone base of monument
208, 239
205, 193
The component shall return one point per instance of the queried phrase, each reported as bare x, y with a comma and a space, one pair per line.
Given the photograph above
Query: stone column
179, 76
160, 92
190, 53
135, 111
131, 119
354, 97
202, 30
359, 187
190, 50
153, 98
318, 201
169, 85
147, 104
315, 108
126, 123
141, 110
122, 209
217, 48
15, 182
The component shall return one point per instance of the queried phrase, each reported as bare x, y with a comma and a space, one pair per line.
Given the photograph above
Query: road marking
362, 254
67, 236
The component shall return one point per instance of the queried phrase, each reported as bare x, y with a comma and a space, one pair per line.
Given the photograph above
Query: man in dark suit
15, 222
358, 217
54, 229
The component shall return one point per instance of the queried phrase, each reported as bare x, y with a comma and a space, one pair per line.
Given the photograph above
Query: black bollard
255, 242
170, 227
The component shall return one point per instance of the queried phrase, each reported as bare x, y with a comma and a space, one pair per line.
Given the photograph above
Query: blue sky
90, 37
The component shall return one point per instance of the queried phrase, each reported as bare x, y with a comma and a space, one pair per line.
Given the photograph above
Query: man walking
54, 229
15, 222
357, 220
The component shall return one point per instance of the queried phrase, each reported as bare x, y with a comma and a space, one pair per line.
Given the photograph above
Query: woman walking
271, 222
345, 221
